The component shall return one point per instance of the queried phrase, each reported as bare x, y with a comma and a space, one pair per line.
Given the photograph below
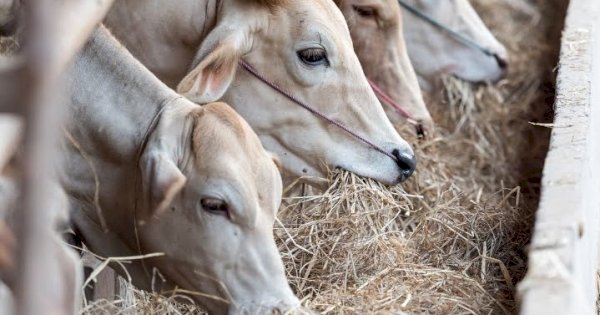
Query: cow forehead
323, 12
228, 117
225, 149
221, 136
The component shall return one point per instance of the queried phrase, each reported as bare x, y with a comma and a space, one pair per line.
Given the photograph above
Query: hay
8, 46
141, 302
454, 240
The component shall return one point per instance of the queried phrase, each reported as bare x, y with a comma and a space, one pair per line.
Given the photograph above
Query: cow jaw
230, 268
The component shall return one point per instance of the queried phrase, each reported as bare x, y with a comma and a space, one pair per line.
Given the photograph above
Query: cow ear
210, 79
162, 181
276, 160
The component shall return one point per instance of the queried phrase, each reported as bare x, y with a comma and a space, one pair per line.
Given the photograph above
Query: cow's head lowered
211, 199
376, 30
433, 52
305, 47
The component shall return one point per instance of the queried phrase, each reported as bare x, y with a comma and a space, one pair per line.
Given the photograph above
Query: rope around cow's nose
386, 99
314, 111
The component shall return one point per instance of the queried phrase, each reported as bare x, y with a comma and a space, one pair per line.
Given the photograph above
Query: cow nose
502, 61
407, 163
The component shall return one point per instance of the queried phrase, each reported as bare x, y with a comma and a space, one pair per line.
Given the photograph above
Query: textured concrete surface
563, 257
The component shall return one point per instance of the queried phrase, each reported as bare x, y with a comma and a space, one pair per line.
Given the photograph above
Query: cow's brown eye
313, 56
365, 11
215, 206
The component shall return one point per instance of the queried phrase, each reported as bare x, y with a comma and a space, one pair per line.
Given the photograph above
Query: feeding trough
563, 255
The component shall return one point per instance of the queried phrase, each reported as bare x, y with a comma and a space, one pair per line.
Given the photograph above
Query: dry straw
139, 302
8, 45
452, 240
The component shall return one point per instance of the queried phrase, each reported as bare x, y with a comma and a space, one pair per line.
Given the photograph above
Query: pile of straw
8, 46
140, 302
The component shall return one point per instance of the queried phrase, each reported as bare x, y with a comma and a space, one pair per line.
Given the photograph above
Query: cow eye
215, 206
366, 12
313, 56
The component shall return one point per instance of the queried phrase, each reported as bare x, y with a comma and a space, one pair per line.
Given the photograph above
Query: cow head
211, 199
305, 47
376, 30
433, 52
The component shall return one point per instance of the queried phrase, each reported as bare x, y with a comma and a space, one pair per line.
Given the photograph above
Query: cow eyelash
215, 206
313, 56
366, 12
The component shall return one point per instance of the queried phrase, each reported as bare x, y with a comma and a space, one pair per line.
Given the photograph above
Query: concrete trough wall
563, 257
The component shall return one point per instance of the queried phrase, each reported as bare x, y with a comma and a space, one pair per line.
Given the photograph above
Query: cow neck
123, 96
116, 104
164, 35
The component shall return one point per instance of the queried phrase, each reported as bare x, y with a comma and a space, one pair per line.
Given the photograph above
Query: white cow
169, 176
433, 52
304, 46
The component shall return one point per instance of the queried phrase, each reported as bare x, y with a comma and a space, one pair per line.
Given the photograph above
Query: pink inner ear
209, 80
214, 80
165, 181
166, 192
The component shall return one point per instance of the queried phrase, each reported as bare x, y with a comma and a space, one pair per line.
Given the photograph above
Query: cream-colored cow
376, 30
433, 52
304, 46
169, 176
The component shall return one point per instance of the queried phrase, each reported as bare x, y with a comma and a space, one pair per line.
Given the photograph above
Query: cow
303, 46
376, 31
434, 53
148, 171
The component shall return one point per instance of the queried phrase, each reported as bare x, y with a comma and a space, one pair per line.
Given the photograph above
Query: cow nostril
502, 62
406, 162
